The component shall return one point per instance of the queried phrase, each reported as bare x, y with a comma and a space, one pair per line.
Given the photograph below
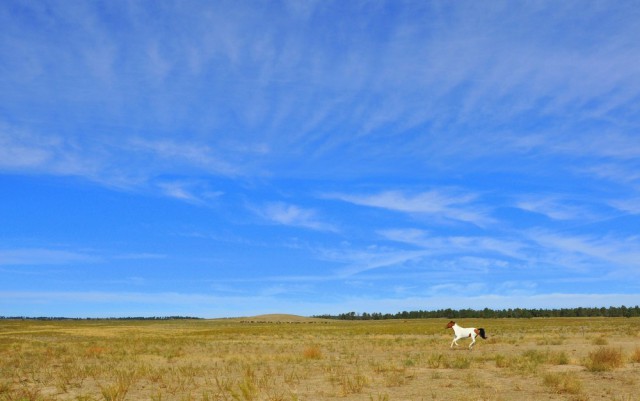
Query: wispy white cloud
177, 190
42, 256
357, 262
626, 173
184, 153
51, 256
460, 289
586, 253
22, 150
140, 256
135, 164
292, 215
587, 250
445, 204
283, 88
555, 208
512, 247
631, 206
512, 288
18, 151
191, 191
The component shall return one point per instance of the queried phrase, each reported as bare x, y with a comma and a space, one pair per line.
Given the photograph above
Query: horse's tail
481, 333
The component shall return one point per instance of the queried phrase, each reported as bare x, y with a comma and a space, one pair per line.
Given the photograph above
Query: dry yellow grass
604, 359
284, 357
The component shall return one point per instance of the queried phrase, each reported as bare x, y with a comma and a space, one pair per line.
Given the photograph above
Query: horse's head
450, 324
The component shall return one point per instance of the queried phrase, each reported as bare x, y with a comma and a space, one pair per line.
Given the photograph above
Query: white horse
461, 332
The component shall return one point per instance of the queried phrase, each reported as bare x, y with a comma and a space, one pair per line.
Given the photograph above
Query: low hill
280, 317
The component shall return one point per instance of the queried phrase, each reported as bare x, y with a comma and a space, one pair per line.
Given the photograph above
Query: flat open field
292, 358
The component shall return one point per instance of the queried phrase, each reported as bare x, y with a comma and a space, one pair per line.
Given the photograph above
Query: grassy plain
291, 358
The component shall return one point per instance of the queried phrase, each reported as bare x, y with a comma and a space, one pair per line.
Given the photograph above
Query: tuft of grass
600, 341
436, 361
563, 383
550, 341
604, 359
118, 390
95, 351
461, 362
5, 387
526, 363
529, 361
25, 394
353, 384
312, 352
409, 362
535, 356
395, 378
248, 391
114, 392
501, 361
559, 358
635, 356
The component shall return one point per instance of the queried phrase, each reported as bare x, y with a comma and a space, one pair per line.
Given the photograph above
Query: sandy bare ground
284, 357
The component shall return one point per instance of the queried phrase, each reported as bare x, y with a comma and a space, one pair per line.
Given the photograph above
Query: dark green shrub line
612, 311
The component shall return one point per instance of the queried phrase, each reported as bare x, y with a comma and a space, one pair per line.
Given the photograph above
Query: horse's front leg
473, 341
454, 342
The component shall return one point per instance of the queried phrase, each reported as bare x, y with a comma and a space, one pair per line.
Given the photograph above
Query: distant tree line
612, 311
98, 318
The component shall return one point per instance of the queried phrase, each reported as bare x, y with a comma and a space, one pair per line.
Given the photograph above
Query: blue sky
245, 157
